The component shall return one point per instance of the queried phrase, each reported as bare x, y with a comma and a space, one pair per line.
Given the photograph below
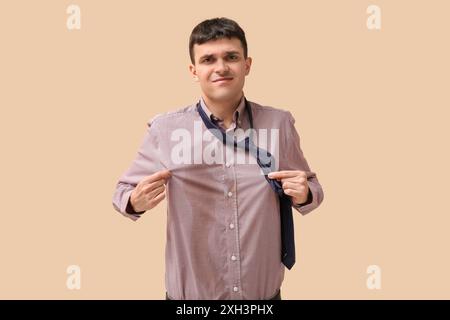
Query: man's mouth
222, 80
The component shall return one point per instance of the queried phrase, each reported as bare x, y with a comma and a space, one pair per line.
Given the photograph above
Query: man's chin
225, 95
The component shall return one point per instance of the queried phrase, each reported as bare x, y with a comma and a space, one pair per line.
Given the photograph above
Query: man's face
220, 67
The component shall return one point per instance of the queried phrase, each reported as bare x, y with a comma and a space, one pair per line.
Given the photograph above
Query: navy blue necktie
266, 162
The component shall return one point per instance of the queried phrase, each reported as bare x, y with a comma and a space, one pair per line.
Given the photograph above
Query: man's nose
221, 66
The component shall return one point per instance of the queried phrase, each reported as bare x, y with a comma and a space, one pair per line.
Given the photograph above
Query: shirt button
231, 226
233, 258
230, 194
235, 289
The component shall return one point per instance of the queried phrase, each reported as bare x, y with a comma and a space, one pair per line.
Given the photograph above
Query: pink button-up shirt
223, 218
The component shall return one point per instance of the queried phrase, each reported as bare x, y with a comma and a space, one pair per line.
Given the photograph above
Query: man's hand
150, 191
295, 184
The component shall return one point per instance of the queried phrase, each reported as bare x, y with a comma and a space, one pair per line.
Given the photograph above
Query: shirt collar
236, 116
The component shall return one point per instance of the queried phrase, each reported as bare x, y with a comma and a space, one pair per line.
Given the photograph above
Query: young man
230, 191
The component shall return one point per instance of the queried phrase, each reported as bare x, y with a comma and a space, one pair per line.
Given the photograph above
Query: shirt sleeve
293, 159
146, 162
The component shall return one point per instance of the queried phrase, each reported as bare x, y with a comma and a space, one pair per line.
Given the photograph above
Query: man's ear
248, 64
193, 72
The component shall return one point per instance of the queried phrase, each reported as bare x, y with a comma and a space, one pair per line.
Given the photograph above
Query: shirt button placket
230, 195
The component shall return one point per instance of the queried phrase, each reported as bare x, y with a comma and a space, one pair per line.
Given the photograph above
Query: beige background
371, 108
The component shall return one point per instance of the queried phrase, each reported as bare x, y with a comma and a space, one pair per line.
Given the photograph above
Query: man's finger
164, 174
153, 185
284, 174
156, 191
295, 179
158, 198
292, 193
289, 185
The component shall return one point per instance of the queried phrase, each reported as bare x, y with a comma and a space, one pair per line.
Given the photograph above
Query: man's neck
223, 109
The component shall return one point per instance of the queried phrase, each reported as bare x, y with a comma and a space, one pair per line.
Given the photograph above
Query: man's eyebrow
212, 55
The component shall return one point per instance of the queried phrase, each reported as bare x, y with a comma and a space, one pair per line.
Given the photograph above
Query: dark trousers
276, 297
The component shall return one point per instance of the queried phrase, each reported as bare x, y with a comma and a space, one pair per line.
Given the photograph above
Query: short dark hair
214, 29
